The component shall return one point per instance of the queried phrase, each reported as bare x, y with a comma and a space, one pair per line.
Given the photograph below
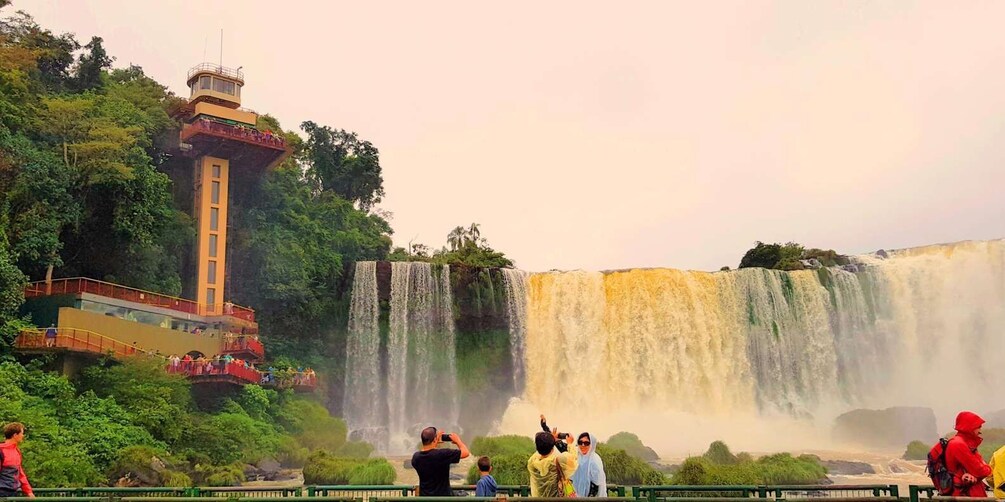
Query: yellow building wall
226, 113
215, 94
208, 265
147, 337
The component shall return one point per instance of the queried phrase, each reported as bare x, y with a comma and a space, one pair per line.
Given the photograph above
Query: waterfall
515, 284
920, 327
421, 375
362, 374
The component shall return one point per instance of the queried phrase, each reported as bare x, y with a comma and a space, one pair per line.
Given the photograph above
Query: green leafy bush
507, 469
375, 471
718, 453
624, 469
632, 445
776, 469
323, 468
916, 450
503, 445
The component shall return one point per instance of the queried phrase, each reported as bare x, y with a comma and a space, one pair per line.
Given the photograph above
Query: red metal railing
246, 134
237, 344
74, 340
210, 368
107, 289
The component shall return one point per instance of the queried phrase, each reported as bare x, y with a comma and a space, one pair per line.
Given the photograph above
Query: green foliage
787, 256
624, 469
323, 468
507, 469
224, 475
355, 449
375, 471
503, 445
311, 424
154, 399
916, 450
718, 453
778, 469
343, 164
632, 445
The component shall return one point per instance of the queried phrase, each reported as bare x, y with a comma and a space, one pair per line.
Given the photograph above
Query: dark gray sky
623, 134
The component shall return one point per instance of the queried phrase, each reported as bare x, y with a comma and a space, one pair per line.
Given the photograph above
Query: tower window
214, 218
210, 297
211, 272
212, 245
204, 83
215, 195
216, 171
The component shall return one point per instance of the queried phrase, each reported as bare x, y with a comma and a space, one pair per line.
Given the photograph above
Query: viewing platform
201, 372
38, 341
243, 346
244, 145
78, 285
299, 381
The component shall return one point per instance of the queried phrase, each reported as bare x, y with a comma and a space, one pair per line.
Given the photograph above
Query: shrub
916, 450
776, 469
632, 445
291, 453
226, 475
508, 469
624, 469
718, 453
375, 471
175, 479
503, 445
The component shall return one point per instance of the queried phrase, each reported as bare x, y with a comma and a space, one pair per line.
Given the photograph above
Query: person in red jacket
962, 459
12, 477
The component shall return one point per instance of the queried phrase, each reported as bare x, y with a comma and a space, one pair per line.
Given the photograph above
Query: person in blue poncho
589, 478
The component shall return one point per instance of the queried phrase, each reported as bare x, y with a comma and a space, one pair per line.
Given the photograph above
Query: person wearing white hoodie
590, 480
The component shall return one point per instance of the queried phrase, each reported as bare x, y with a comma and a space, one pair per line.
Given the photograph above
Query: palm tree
474, 232
456, 237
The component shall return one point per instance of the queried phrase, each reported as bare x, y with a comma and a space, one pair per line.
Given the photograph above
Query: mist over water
763, 359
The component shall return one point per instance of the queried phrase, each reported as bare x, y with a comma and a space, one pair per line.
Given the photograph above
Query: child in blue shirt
486, 486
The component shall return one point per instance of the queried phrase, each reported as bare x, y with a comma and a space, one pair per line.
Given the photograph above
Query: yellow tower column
211, 175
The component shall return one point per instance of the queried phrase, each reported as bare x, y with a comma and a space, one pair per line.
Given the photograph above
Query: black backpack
937, 469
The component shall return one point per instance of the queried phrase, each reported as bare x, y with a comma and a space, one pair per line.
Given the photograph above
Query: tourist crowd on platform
217, 365
298, 377
251, 133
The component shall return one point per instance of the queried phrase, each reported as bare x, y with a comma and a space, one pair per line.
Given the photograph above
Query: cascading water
719, 353
418, 386
515, 284
362, 376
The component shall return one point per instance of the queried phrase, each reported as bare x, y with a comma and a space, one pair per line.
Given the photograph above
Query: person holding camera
433, 464
551, 470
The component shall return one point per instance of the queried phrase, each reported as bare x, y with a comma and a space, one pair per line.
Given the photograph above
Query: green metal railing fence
396, 493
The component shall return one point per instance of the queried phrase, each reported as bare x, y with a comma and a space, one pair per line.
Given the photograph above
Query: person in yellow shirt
998, 473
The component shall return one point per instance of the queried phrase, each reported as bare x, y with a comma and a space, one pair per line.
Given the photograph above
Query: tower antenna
221, 47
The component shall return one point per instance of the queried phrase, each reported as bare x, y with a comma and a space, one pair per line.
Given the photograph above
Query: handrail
215, 68
70, 339
135, 295
247, 134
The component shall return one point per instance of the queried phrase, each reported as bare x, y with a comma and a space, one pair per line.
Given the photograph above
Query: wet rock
847, 468
882, 254
811, 264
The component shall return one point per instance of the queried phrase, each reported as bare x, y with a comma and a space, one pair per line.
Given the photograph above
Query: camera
445, 437
563, 435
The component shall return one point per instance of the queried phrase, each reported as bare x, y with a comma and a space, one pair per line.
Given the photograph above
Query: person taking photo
433, 464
